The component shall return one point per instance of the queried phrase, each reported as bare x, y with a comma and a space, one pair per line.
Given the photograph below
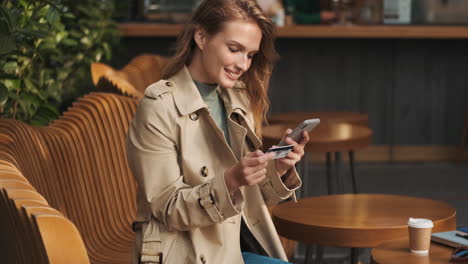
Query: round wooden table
397, 252
358, 220
326, 117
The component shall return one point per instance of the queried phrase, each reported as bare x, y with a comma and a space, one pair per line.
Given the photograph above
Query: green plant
46, 48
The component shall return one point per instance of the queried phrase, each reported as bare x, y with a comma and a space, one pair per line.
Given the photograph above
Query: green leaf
30, 86
107, 50
52, 16
3, 95
6, 23
11, 67
69, 15
24, 3
12, 85
69, 42
60, 35
50, 109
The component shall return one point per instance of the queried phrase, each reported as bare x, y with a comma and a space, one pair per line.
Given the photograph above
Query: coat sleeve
275, 188
153, 156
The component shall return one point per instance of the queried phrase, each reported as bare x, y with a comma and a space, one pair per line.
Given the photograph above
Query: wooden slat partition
78, 163
131, 80
32, 231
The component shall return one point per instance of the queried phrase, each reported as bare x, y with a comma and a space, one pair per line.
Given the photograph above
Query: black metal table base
336, 185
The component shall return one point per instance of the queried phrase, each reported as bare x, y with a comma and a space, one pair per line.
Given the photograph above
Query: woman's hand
250, 170
295, 155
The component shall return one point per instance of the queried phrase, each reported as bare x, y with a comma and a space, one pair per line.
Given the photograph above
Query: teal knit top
215, 104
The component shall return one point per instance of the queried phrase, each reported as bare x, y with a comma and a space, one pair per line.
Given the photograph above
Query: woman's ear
200, 37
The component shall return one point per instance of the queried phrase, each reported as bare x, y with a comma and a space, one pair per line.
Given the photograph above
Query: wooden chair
13, 227
61, 239
78, 164
131, 80
33, 232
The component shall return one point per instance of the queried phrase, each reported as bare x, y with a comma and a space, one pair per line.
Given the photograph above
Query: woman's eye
233, 49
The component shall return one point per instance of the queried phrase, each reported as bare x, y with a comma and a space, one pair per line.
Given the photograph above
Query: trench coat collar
188, 99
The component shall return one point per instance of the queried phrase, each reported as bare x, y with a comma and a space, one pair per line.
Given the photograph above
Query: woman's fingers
253, 161
305, 138
255, 178
286, 133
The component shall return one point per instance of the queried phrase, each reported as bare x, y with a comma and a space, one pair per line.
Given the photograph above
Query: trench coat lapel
236, 101
186, 95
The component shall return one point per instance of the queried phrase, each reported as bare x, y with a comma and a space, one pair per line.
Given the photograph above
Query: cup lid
420, 223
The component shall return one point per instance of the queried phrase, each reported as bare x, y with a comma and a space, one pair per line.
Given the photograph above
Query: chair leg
353, 175
329, 173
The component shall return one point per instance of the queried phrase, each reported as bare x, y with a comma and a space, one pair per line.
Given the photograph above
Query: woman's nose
243, 63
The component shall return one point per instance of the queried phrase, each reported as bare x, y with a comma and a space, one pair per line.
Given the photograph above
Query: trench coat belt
151, 242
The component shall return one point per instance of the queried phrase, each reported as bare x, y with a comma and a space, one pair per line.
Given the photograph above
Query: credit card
280, 152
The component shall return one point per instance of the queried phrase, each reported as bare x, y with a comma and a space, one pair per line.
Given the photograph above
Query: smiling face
225, 56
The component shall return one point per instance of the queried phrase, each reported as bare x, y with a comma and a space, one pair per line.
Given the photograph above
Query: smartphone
306, 125
280, 152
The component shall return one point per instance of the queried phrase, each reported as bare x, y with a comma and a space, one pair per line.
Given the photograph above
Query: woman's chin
227, 83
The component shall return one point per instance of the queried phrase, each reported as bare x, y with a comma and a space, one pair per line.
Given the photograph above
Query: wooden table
397, 252
357, 220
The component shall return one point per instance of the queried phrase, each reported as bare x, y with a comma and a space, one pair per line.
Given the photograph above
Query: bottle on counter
369, 12
344, 11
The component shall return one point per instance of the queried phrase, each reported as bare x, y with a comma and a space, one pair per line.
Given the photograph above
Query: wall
414, 90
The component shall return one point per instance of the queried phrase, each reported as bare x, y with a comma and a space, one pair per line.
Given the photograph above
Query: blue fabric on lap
251, 258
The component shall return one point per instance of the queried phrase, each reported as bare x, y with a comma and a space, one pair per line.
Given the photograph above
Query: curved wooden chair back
27, 240
131, 80
78, 163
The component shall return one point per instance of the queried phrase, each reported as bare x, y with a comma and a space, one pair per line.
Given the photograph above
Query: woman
203, 185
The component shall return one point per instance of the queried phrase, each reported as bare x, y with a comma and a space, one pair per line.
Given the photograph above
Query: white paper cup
420, 235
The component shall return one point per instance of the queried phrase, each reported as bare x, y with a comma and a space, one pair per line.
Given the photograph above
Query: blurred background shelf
320, 31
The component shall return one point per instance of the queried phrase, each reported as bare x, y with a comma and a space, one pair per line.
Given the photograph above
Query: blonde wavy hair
211, 16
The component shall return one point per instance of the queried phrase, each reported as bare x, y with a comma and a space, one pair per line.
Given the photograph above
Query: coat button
204, 171
169, 84
203, 259
193, 116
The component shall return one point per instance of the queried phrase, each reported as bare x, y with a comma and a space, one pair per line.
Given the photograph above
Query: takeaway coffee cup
420, 235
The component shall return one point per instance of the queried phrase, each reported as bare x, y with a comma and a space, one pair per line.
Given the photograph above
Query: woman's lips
232, 75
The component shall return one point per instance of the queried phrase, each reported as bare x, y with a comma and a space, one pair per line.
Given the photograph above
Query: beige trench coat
178, 156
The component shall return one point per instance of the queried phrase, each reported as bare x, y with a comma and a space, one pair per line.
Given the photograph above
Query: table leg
305, 175
339, 180
301, 170
329, 174
354, 255
309, 253
318, 254
353, 175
